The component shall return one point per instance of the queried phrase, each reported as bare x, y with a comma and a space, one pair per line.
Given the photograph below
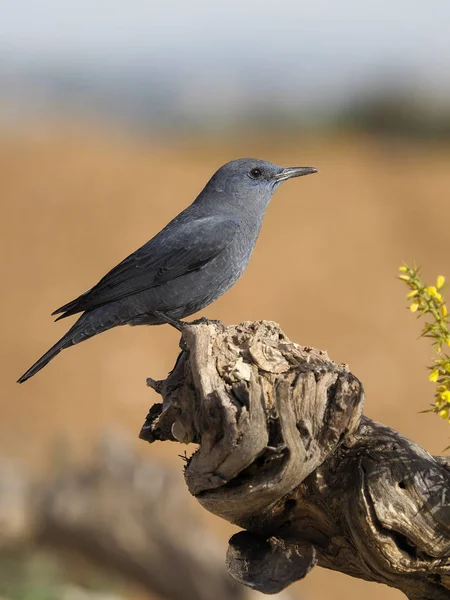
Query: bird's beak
289, 172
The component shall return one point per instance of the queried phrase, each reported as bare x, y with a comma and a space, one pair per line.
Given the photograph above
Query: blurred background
113, 115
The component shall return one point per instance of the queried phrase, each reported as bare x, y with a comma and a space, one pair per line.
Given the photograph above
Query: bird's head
250, 182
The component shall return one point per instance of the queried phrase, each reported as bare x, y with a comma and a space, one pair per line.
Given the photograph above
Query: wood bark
285, 453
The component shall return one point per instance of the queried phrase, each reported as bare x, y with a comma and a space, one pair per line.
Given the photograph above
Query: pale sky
316, 51
357, 32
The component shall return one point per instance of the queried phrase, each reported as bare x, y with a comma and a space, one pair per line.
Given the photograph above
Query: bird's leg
174, 322
178, 324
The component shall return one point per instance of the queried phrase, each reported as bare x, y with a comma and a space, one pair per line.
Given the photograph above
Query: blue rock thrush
190, 263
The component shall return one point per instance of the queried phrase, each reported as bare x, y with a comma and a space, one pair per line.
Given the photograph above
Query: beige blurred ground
76, 203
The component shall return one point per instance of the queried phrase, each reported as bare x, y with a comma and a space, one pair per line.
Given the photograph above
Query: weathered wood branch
285, 453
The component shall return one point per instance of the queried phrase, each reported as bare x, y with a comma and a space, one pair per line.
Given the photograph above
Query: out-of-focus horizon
209, 66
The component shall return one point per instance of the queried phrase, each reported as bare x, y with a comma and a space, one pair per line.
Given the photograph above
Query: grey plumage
190, 263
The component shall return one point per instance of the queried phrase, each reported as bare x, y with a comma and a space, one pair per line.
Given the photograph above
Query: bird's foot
205, 321
178, 324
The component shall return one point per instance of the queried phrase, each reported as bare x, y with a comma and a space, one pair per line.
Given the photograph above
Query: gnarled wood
285, 453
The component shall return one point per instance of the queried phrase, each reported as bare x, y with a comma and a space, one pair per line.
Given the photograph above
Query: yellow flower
414, 306
412, 294
444, 310
438, 297
403, 268
440, 281
448, 341
444, 413
434, 375
445, 396
432, 291
404, 277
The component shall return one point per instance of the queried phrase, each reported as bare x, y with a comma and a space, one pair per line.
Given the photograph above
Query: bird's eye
256, 173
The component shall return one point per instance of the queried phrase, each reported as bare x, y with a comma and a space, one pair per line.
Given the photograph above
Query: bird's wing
183, 249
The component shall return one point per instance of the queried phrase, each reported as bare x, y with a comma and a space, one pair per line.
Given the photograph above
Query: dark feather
181, 250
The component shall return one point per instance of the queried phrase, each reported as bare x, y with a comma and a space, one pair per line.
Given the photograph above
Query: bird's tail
64, 342
88, 325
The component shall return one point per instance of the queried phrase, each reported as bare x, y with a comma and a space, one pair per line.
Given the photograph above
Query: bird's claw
205, 321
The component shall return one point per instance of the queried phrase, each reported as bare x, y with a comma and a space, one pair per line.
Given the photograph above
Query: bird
185, 267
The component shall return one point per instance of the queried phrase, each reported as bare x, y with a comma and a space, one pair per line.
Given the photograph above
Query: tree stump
285, 453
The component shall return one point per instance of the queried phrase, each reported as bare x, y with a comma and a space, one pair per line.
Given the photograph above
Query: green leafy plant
428, 301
